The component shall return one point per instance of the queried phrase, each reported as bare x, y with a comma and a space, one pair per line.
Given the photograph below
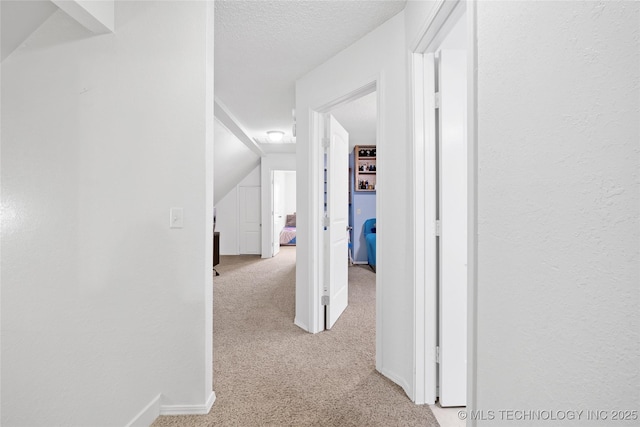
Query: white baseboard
360, 262
400, 381
300, 325
148, 415
189, 409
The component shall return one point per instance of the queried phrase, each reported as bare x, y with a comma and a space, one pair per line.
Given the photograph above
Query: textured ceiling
263, 47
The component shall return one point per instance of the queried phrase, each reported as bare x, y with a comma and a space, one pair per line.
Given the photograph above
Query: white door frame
273, 240
443, 16
268, 164
316, 167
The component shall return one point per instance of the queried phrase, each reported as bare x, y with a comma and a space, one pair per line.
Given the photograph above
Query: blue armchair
369, 229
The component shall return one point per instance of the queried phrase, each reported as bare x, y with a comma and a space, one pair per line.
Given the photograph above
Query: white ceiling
263, 47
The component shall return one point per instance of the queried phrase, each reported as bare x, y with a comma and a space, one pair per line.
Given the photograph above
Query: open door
336, 286
277, 209
453, 218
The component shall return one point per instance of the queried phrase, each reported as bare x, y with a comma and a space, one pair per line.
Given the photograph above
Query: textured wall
103, 306
558, 185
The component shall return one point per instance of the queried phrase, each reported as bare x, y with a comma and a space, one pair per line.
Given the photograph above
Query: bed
288, 233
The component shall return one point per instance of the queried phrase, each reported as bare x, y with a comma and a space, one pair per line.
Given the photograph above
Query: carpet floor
269, 372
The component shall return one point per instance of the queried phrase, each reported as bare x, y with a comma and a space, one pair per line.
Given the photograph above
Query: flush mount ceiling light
275, 135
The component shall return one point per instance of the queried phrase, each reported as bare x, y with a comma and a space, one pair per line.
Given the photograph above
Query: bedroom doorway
277, 168
359, 117
354, 121
283, 213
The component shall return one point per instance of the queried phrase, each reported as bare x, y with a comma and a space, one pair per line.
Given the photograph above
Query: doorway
359, 117
443, 101
284, 163
347, 206
283, 212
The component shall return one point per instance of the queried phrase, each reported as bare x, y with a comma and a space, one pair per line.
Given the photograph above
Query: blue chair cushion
369, 229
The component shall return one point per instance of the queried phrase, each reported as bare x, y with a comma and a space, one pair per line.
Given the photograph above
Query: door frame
316, 169
272, 239
443, 16
268, 164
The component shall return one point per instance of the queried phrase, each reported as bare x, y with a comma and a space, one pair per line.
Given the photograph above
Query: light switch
358, 211
176, 218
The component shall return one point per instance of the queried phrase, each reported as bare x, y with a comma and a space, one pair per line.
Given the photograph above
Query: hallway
269, 372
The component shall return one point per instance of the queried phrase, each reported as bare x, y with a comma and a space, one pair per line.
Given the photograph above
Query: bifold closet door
452, 85
250, 221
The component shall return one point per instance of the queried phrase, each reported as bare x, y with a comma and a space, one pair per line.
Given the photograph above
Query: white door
249, 221
453, 220
278, 210
336, 285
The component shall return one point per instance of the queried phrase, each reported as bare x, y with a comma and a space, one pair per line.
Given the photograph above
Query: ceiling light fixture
275, 135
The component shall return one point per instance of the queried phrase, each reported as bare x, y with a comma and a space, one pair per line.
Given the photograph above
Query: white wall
104, 307
271, 162
558, 205
416, 16
227, 215
227, 223
290, 192
379, 55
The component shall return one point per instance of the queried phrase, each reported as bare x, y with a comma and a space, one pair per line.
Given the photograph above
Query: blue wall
366, 203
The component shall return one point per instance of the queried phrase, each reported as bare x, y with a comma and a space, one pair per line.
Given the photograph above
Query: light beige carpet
268, 372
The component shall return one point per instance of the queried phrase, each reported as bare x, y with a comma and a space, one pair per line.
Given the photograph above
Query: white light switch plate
176, 218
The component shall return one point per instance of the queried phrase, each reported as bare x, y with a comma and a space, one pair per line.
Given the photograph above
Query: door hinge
324, 300
436, 100
325, 142
325, 221
437, 354
438, 227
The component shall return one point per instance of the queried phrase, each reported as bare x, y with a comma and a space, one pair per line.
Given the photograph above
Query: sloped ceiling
232, 161
19, 20
263, 47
